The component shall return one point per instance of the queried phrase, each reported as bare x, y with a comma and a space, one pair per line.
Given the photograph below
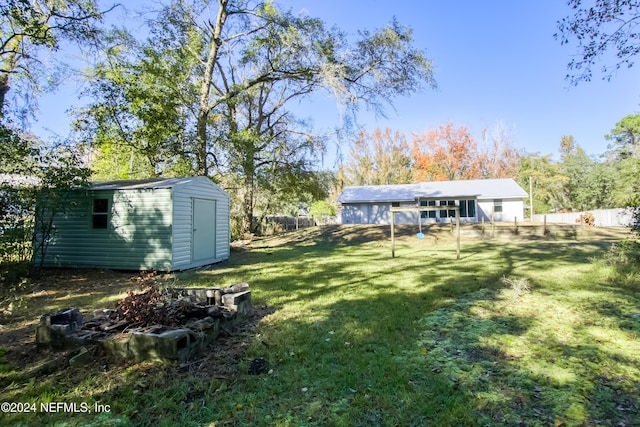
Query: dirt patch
21, 311
82, 280
226, 355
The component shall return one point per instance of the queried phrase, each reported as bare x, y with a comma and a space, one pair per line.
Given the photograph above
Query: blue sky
494, 61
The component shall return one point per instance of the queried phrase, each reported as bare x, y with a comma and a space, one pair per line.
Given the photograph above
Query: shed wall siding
183, 196
138, 235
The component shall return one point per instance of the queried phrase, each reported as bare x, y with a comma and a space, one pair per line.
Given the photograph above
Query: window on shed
497, 205
395, 204
100, 213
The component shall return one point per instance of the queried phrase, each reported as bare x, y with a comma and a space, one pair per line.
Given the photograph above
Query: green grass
359, 338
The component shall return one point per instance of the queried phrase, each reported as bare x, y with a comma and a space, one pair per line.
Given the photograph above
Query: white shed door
204, 229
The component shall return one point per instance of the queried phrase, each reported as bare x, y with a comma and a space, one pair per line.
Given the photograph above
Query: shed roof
144, 183
476, 188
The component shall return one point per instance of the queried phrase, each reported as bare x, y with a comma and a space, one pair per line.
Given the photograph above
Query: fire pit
171, 325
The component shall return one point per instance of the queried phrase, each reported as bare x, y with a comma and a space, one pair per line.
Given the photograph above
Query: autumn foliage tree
446, 153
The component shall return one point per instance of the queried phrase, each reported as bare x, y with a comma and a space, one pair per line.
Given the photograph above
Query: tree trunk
4, 88
249, 196
205, 90
8, 66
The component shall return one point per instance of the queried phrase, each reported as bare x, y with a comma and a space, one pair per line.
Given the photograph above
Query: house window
100, 213
497, 205
467, 208
450, 212
443, 214
432, 214
427, 214
395, 204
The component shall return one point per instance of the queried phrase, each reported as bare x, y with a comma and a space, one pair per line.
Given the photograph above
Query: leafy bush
625, 255
322, 210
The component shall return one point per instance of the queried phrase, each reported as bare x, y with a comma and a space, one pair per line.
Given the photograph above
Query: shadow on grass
360, 338
356, 343
382, 353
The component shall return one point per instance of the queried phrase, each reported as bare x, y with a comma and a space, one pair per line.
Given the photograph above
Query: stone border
63, 330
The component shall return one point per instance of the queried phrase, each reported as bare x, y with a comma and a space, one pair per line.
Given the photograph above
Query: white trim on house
479, 199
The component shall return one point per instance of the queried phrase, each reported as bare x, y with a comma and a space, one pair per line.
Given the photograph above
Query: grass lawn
531, 332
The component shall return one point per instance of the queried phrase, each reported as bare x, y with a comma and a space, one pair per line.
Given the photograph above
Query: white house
480, 198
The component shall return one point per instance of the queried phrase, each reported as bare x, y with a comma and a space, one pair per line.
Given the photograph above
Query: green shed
154, 224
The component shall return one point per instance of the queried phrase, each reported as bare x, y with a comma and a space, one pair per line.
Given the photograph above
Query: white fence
604, 217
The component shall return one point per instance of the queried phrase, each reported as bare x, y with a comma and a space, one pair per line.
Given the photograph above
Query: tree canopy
211, 91
382, 157
626, 138
446, 153
30, 27
600, 27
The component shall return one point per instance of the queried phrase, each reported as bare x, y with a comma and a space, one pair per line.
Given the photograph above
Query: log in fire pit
169, 325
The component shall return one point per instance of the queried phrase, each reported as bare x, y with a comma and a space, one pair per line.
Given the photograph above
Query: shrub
322, 210
625, 255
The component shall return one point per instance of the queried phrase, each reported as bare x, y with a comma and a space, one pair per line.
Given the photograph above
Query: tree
548, 181
599, 187
322, 210
447, 153
265, 145
241, 65
29, 26
17, 156
626, 138
627, 183
380, 158
600, 27
276, 46
576, 165
61, 171
137, 125
304, 56
623, 156
500, 159
34, 189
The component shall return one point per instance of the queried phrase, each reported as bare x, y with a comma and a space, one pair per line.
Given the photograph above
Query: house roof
505, 188
142, 183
